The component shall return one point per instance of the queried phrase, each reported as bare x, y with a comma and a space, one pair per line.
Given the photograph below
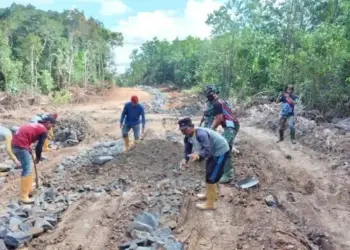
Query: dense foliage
261, 46
45, 51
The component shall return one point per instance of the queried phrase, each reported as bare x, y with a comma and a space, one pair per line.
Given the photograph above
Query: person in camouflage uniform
223, 115
208, 116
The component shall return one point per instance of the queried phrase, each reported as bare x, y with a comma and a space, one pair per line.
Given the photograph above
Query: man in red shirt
50, 135
22, 140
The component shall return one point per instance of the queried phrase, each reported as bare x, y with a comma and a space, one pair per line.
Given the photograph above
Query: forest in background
256, 46
260, 46
46, 51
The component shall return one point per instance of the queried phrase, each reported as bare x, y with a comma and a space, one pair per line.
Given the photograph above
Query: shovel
36, 173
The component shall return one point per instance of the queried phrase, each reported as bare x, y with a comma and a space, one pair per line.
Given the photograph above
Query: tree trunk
32, 68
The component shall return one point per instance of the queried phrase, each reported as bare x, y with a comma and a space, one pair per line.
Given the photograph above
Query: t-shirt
220, 107
39, 117
28, 134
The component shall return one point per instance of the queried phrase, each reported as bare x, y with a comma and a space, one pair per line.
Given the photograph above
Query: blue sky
139, 20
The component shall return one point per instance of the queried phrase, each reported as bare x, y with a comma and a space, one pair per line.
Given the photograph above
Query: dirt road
314, 201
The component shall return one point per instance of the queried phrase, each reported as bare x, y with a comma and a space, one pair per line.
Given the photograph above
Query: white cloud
109, 7
165, 25
32, 2
113, 7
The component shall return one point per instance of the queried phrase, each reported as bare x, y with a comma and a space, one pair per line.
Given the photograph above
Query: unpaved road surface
314, 200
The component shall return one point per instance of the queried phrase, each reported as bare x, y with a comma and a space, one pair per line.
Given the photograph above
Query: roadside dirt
314, 200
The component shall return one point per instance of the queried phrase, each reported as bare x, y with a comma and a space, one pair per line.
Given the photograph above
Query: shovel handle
36, 172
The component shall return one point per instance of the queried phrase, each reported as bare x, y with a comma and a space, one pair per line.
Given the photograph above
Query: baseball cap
185, 123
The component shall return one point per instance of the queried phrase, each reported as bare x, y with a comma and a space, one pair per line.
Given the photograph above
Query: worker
208, 116
130, 119
21, 147
50, 136
6, 135
224, 116
289, 100
200, 144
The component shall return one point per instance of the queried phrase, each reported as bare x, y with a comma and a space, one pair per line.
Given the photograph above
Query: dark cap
185, 123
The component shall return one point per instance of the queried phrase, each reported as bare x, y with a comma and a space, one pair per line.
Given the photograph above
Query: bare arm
8, 146
219, 116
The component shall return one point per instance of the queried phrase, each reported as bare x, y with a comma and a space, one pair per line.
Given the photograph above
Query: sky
139, 20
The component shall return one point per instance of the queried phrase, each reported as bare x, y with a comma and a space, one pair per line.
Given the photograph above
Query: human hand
18, 163
121, 126
182, 164
289, 100
37, 160
193, 157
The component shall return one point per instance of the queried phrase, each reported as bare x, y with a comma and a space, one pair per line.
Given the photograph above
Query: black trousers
215, 167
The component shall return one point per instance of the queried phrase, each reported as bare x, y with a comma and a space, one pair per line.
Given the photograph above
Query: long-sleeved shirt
28, 134
38, 118
287, 105
131, 115
205, 142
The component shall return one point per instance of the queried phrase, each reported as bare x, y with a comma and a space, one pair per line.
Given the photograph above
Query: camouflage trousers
229, 171
208, 122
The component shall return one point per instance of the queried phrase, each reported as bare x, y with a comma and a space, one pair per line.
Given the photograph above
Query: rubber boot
127, 143
226, 177
137, 141
24, 188
32, 190
203, 196
228, 171
292, 136
46, 145
281, 136
209, 203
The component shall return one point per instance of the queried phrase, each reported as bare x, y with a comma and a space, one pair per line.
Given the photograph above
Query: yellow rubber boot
203, 196
24, 188
211, 197
46, 145
127, 143
32, 191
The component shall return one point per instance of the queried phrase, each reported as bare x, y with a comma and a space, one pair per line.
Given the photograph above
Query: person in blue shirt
130, 119
288, 100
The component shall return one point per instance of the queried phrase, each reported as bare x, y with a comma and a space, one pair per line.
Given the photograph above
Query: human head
48, 121
134, 100
186, 126
211, 92
290, 89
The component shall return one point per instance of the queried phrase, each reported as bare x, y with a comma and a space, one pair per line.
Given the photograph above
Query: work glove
193, 157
